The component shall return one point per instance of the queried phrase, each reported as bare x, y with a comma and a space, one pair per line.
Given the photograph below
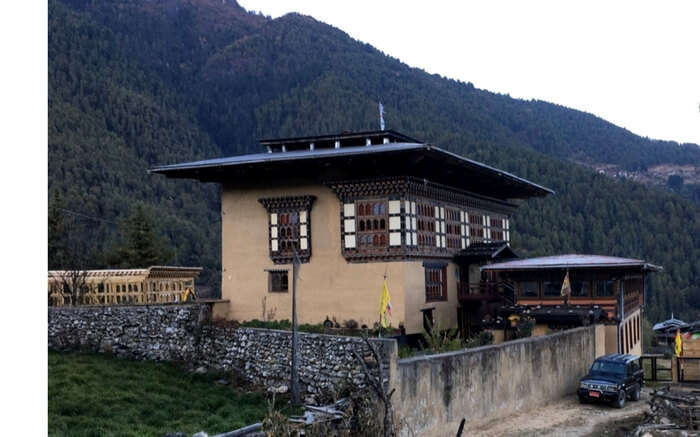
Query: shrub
351, 324
482, 339
438, 341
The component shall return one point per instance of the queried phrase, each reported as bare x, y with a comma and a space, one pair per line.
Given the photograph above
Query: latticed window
498, 229
371, 224
278, 281
426, 225
453, 228
289, 227
476, 227
435, 282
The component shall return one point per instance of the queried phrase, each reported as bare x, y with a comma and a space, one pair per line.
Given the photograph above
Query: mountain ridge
130, 88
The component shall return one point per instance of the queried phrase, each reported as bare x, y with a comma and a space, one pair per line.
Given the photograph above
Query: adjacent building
356, 208
150, 285
609, 285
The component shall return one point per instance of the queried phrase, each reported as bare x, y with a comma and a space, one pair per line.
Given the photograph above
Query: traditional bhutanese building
155, 284
358, 207
604, 289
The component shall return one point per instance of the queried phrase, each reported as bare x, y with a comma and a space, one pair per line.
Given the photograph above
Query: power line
79, 214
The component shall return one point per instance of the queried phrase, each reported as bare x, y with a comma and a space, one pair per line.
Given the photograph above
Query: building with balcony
356, 208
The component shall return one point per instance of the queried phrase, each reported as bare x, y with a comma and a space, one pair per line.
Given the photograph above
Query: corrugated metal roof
571, 261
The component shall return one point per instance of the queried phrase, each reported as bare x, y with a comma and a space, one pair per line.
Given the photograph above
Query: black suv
612, 378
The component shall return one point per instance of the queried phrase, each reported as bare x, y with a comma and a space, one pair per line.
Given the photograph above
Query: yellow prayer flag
679, 343
384, 306
566, 286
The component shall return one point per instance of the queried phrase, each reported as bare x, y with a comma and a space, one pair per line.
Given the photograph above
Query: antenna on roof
381, 116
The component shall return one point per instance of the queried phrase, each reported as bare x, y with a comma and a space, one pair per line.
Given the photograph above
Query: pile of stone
671, 413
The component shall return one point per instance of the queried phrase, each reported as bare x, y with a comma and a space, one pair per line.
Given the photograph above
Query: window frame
435, 279
283, 279
276, 207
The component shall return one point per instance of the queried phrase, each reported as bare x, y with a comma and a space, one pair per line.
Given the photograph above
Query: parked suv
613, 378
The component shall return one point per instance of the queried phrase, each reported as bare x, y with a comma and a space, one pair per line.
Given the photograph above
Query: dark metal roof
295, 155
671, 323
485, 251
572, 261
393, 159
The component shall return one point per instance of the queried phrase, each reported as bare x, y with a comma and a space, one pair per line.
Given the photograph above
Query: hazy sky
636, 64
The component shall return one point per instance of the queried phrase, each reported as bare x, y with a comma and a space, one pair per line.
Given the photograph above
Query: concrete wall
435, 392
328, 285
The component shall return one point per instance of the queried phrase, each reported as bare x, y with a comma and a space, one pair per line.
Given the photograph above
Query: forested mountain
133, 83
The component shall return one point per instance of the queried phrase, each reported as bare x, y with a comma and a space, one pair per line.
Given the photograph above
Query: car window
608, 367
633, 367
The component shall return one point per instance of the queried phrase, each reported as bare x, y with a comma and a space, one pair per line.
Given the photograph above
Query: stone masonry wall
183, 333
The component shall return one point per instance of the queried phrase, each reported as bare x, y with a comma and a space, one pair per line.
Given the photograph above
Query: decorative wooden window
426, 225
278, 281
476, 227
411, 223
289, 227
454, 228
435, 281
498, 229
440, 240
371, 227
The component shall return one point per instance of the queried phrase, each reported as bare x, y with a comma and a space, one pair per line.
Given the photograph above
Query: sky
635, 64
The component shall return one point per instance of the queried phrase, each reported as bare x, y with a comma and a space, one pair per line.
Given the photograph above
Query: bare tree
377, 384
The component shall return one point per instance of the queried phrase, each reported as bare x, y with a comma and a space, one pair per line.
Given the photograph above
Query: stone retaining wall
183, 333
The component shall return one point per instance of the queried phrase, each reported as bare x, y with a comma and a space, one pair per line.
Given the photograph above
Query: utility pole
295, 341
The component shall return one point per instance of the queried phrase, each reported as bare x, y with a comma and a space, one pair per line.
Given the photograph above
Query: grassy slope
96, 395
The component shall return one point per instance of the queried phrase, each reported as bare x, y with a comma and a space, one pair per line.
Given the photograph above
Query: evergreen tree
142, 244
56, 232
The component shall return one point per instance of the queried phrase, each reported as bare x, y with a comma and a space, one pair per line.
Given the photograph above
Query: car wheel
621, 397
582, 399
636, 394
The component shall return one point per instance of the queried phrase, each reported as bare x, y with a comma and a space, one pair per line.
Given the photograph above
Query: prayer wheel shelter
614, 285
155, 284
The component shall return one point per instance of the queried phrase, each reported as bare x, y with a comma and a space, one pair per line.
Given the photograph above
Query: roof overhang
572, 262
326, 165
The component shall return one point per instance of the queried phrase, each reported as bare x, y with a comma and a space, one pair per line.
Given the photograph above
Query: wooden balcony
484, 291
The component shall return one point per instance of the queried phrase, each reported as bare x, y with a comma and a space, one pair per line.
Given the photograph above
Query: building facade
356, 208
604, 289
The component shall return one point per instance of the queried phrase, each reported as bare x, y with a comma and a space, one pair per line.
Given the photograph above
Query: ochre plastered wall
328, 285
611, 339
445, 312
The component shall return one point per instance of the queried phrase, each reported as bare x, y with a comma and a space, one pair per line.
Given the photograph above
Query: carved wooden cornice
403, 186
287, 203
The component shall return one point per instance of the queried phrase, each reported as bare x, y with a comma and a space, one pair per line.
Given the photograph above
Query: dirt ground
566, 418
